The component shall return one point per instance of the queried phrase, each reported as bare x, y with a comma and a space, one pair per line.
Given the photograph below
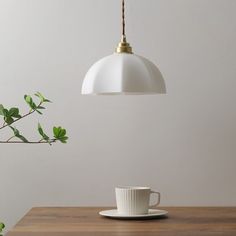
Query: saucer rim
154, 213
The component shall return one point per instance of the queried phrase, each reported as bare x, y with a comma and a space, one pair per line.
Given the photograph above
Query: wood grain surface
85, 221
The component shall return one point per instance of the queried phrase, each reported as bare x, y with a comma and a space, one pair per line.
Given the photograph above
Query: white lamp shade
123, 73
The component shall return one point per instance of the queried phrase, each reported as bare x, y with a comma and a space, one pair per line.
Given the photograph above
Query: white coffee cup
135, 200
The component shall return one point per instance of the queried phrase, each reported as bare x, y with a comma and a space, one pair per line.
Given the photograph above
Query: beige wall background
182, 144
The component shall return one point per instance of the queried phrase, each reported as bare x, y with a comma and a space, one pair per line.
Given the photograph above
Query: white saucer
152, 213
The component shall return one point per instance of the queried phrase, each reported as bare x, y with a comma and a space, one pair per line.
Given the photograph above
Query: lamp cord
123, 46
123, 19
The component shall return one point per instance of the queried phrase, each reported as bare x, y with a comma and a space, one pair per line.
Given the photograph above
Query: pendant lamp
123, 72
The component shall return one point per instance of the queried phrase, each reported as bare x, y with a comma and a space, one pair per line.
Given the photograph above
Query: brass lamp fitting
123, 46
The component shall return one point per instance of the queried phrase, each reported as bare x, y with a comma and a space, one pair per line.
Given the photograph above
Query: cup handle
158, 200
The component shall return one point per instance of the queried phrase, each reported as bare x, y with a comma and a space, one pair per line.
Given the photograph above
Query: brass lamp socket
124, 47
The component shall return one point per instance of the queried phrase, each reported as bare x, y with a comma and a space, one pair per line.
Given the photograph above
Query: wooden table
86, 222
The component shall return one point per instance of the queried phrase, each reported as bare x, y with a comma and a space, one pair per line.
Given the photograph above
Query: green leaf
30, 102
62, 132
41, 97
9, 120
1, 110
2, 226
5, 112
56, 131
40, 130
63, 139
18, 135
28, 99
14, 112
7, 116
39, 112
59, 134
46, 100
22, 138
40, 107
15, 131
44, 136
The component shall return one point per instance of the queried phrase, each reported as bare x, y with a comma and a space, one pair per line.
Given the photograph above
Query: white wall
182, 143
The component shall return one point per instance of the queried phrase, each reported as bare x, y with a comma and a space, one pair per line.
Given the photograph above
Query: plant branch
10, 139
29, 113
30, 142
12, 115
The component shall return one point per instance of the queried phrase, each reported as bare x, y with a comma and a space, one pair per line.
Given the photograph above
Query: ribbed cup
133, 200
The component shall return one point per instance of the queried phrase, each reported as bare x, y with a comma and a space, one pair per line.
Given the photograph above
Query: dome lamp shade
123, 73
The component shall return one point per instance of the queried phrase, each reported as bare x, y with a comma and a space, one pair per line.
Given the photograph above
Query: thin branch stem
10, 138
30, 142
